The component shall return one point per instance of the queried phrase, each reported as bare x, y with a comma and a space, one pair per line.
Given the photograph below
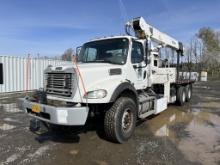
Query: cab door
137, 60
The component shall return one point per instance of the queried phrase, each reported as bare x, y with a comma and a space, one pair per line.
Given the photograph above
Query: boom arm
144, 31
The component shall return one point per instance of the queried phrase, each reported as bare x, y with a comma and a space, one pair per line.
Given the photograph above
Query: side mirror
147, 53
78, 50
1, 73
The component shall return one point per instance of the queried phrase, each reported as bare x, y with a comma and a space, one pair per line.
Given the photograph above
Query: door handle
145, 74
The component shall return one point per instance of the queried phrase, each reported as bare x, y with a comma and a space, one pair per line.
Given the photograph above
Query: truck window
1, 73
137, 54
91, 54
105, 51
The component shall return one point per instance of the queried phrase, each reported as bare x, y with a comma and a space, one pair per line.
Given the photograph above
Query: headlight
97, 94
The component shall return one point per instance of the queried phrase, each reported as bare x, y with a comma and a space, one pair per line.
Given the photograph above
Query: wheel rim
184, 96
127, 120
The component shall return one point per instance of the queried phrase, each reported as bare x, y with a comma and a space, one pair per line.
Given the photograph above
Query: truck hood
85, 66
95, 75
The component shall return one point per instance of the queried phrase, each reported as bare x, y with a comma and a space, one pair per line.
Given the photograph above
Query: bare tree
211, 49
67, 55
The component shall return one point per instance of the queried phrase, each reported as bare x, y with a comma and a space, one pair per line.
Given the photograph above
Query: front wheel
120, 120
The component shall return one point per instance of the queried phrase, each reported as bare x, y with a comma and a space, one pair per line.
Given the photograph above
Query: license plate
36, 108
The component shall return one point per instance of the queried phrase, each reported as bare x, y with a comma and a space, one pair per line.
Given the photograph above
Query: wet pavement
179, 135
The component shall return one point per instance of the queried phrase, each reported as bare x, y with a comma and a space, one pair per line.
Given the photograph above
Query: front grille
60, 84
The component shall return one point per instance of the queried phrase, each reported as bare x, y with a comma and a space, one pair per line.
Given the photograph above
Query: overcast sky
49, 27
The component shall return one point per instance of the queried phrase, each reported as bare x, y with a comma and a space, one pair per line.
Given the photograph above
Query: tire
181, 95
120, 120
188, 92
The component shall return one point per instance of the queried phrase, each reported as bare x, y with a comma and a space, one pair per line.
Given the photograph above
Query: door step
146, 114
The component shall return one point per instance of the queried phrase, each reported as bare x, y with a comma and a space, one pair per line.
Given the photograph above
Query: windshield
105, 51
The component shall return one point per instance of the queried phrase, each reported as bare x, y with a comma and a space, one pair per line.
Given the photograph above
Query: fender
123, 87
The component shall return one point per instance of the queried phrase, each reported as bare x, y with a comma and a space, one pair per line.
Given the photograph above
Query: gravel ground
179, 135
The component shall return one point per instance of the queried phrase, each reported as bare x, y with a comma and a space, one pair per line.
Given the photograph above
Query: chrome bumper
76, 115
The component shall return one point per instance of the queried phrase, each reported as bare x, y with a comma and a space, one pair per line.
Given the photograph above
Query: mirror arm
146, 53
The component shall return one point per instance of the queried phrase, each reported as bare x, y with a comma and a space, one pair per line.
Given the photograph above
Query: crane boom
143, 30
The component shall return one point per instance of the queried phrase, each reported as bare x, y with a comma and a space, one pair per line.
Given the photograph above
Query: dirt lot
179, 135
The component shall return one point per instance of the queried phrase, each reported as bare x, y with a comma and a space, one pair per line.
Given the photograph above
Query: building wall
21, 74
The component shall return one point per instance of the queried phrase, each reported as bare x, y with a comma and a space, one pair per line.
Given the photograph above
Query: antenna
123, 12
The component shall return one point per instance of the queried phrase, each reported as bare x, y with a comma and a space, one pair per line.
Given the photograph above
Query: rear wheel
181, 95
120, 120
188, 92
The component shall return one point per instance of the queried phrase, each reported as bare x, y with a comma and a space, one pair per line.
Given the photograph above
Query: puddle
197, 134
209, 105
101, 162
6, 127
74, 152
201, 144
163, 131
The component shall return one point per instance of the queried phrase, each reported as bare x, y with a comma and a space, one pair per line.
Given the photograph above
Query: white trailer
118, 77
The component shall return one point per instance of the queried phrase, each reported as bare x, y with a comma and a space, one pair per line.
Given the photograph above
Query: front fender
125, 86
